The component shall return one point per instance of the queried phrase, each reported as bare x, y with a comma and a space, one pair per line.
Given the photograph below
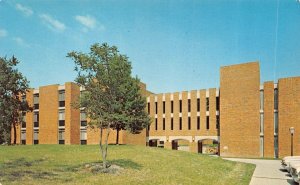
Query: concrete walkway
267, 172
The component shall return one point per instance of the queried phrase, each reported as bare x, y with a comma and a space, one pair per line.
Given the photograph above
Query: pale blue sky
173, 45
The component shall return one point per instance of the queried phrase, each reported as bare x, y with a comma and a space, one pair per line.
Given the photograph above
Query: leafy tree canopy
112, 98
13, 85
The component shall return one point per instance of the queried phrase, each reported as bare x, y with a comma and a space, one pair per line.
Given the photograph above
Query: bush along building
241, 118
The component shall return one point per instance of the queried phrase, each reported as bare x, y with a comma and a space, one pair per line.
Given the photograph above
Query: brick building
243, 118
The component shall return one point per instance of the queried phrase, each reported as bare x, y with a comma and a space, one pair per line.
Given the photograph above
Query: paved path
267, 172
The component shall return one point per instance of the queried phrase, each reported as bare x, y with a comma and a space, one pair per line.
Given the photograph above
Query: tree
106, 76
13, 85
134, 107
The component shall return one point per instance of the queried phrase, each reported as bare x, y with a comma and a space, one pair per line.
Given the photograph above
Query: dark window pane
36, 142
61, 103
83, 123
61, 142
207, 104
61, 123
180, 105
36, 124
36, 106
83, 142
198, 123
23, 124
180, 123
207, 122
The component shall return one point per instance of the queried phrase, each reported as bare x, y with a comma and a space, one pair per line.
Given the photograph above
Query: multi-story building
241, 118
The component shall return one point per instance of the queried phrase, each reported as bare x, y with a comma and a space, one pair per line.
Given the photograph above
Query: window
23, 124
83, 137
261, 123
261, 148
276, 122
61, 123
172, 106
36, 137
36, 101
180, 123
164, 107
207, 104
23, 120
189, 105
148, 108
82, 116
61, 103
61, 98
276, 146
23, 135
189, 123
155, 123
180, 105
207, 122
217, 122
261, 94
198, 105
61, 136
36, 119
61, 118
217, 103
164, 124
276, 99
155, 107
198, 122
83, 121
171, 123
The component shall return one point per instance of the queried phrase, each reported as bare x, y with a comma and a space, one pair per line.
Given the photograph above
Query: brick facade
245, 128
239, 132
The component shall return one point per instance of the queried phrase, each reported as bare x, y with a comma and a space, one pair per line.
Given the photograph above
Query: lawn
59, 164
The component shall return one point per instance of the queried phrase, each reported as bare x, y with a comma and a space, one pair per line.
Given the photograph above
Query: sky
173, 45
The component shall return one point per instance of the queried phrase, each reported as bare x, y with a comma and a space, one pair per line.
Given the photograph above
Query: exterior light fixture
292, 131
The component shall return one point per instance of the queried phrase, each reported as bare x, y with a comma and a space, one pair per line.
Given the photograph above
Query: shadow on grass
125, 163
15, 170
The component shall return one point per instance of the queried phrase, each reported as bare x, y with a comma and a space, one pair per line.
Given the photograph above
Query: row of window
189, 105
275, 99
189, 123
61, 99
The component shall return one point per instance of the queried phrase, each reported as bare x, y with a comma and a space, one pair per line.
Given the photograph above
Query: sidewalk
267, 172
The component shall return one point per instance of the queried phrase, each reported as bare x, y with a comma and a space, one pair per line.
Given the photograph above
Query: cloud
25, 10
52, 23
20, 42
88, 22
3, 33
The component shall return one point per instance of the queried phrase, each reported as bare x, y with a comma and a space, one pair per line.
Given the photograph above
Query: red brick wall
239, 131
289, 115
48, 114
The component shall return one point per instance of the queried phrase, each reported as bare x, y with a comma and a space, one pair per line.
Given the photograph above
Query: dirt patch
98, 168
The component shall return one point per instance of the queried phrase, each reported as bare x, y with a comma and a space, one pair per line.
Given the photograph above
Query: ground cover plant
74, 164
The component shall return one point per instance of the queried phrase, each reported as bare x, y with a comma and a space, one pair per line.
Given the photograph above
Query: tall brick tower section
239, 110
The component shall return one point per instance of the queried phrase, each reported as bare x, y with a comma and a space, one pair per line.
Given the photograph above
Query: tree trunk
117, 139
103, 148
15, 134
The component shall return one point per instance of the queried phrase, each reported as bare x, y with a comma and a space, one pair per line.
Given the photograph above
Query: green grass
57, 164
